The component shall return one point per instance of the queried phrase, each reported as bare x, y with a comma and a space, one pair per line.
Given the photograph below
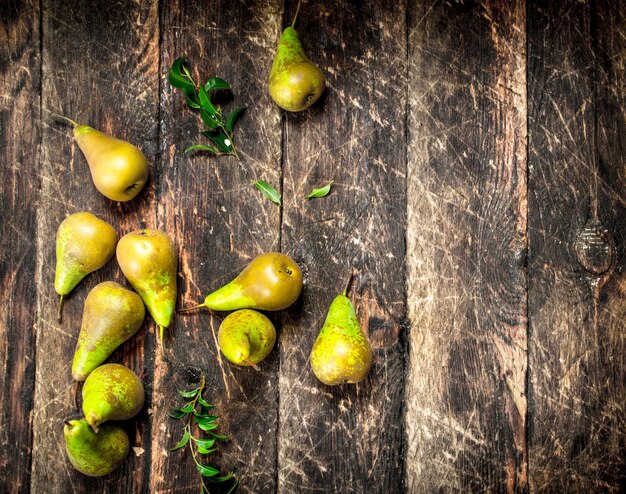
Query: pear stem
63, 117
68, 423
60, 313
252, 364
345, 291
293, 23
189, 309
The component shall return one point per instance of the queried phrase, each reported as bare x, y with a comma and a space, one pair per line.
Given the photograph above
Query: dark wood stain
477, 149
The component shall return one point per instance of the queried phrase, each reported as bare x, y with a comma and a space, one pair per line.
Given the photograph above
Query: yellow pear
119, 170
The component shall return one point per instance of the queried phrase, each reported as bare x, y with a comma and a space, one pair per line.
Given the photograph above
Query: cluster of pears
111, 315
273, 282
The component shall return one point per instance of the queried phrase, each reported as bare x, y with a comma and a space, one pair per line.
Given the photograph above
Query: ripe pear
246, 337
111, 392
84, 243
111, 315
119, 170
341, 353
95, 454
272, 281
295, 82
149, 261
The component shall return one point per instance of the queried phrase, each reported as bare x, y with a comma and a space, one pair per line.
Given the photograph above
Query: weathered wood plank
100, 67
349, 438
220, 222
465, 400
577, 223
20, 77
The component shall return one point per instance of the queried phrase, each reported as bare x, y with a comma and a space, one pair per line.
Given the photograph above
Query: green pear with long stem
342, 352
272, 281
119, 170
84, 243
111, 315
149, 260
295, 82
95, 454
111, 392
246, 337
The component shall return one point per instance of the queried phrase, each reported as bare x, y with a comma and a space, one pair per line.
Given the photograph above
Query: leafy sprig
197, 411
268, 191
219, 126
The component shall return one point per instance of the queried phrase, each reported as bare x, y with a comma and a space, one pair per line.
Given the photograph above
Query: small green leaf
200, 147
268, 191
207, 471
208, 119
224, 478
220, 139
177, 413
183, 441
189, 394
204, 443
205, 101
204, 403
204, 451
207, 426
205, 416
179, 76
188, 407
230, 122
191, 97
216, 83
320, 192
217, 436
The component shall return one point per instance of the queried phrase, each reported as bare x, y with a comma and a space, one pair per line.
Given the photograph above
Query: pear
84, 243
246, 337
272, 281
95, 454
111, 392
341, 353
295, 82
119, 170
149, 261
111, 315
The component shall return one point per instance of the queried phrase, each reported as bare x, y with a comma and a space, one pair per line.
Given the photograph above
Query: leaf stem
293, 23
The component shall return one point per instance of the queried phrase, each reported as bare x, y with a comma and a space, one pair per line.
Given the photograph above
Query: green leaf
220, 139
217, 436
200, 147
188, 407
268, 191
191, 97
205, 416
207, 471
204, 443
207, 426
320, 192
204, 403
205, 101
177, 413
224, 478
204, 451
189, 394
208, 119
178, 75
230, 122
183, 441
216, 83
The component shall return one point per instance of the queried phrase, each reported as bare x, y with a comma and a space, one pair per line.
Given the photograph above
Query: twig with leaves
219, 127
197, 411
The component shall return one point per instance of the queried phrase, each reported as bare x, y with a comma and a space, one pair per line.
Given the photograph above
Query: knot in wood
594, 248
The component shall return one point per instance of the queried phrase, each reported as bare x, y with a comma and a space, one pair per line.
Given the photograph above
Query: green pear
272, 281
119, 170
246, 337
95, 454
149, 261
111, 392
295, 82
84, 243
341, 353
111, 315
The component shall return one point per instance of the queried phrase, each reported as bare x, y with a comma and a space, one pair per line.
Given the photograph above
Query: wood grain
99, 65
220, 223
348, 438
465, 397
20, 77
577, 223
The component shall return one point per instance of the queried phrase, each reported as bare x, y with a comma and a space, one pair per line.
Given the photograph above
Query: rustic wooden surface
478, 154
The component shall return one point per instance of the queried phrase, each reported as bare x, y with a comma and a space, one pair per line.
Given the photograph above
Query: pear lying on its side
111, 315
246, 337
111, 392
342, 352
95, 454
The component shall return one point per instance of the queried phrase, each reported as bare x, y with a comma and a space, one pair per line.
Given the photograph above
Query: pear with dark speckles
111, 315
95, 454
149, 261
111, 392
342, 352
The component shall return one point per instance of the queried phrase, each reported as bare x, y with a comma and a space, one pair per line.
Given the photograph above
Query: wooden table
478, 153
